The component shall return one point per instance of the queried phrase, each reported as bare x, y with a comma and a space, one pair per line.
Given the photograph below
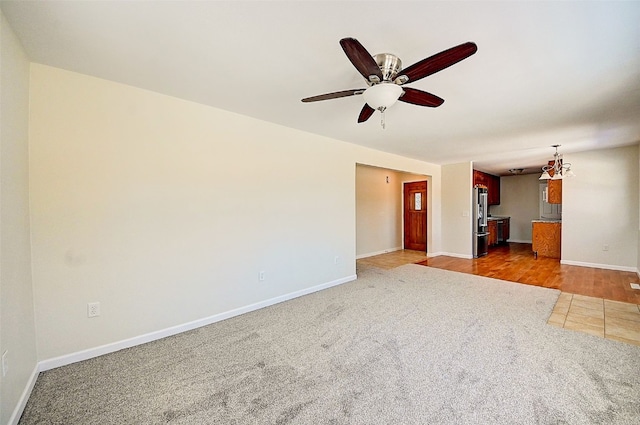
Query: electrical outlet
93, 309
5, 363
261, 276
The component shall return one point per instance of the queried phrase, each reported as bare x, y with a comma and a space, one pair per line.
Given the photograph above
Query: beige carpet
413, 345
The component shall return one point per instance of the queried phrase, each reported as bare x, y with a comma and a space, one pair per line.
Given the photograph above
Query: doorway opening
380, 226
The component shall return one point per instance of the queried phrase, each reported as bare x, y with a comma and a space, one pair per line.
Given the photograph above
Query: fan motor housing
389, 64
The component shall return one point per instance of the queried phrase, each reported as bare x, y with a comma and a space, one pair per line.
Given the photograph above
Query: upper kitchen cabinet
491, 182
494, 190
554, 189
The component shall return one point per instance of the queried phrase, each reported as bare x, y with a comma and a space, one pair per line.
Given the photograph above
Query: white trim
453, 254
599, 266
519, 241
22, 402
372, 254
163, 333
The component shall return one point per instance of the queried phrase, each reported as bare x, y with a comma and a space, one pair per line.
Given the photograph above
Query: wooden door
415, 216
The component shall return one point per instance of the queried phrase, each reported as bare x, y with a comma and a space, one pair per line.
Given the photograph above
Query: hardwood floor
594, 301
515, 262
394, 259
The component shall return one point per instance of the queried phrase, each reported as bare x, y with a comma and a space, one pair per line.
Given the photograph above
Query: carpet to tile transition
412, 345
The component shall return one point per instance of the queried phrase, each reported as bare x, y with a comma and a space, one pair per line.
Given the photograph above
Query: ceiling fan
385, 77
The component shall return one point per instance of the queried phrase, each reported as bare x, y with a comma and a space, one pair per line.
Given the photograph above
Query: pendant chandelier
560, 169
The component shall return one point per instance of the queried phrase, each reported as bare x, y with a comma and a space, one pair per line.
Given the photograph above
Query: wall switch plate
605, 248
336, 259
5, 363
93, 309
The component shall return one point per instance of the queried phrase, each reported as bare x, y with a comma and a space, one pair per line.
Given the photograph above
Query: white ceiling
545, 73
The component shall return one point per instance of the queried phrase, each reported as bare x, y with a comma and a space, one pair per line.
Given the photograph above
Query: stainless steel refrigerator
480, 230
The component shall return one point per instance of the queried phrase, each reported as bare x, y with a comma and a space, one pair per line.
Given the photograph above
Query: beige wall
378, 213
457, 216
600, 206
379, 209
17, 332
165, 211
519, 199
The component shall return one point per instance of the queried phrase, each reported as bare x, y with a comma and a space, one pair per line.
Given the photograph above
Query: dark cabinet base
499, 230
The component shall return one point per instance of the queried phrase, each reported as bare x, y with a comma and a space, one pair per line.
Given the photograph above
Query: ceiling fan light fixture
383, 95
384, 74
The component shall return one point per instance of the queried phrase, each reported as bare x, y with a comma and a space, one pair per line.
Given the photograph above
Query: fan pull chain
382, 119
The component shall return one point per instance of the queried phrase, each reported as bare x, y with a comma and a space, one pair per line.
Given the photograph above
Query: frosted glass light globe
382, 95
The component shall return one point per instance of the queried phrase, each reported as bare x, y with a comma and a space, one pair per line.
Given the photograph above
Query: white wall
17, 331
600, 206
379, 210
519, 199
457, 216
165, 211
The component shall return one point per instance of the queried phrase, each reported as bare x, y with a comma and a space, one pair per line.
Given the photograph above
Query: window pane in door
417, 202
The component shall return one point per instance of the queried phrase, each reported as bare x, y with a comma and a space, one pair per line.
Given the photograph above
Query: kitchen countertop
546, 220
497, 217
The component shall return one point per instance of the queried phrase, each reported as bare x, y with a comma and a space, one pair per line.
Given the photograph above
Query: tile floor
615, 320
596, 316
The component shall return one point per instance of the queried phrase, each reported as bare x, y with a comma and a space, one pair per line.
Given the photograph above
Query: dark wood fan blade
366, 113
334, 95
421, 98
439, 61
360, 58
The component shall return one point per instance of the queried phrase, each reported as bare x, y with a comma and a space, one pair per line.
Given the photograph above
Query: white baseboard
456, 255
519, 241
163, 333
26, 393
371, 254
599, 266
